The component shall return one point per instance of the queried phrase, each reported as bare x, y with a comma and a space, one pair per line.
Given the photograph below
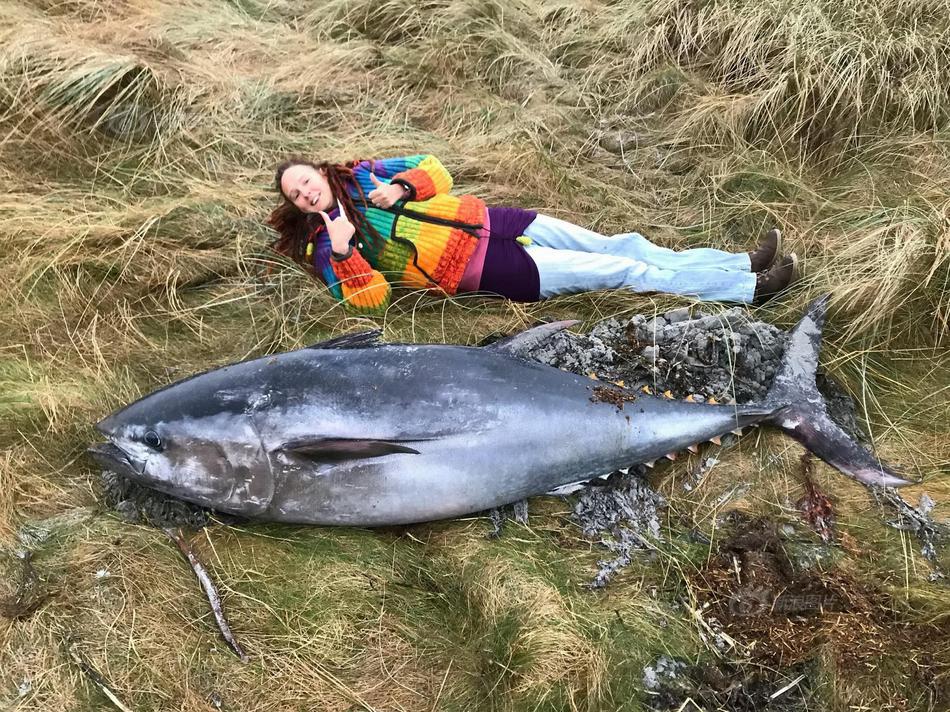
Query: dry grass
137, 140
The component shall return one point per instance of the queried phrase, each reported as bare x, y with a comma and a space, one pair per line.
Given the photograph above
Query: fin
522, 342
356, 340
800, 410
571, 487
338, 449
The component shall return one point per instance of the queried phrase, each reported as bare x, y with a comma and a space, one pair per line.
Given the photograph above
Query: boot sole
778, 244
794, 268
778, 247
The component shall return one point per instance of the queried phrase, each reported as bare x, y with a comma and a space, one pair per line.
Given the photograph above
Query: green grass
137, 144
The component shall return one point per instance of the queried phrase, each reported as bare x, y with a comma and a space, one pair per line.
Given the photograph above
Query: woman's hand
385, 195
340, 230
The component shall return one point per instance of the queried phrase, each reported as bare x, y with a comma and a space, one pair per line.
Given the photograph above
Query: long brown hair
296, 229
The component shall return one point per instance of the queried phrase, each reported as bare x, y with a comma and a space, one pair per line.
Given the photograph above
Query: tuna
357, 432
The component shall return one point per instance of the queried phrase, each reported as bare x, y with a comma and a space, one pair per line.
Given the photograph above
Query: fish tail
800, 410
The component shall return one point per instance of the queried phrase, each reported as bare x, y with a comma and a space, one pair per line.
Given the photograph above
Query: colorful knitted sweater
430, 228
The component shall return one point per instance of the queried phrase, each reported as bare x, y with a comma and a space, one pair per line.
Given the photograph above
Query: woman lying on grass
362, 225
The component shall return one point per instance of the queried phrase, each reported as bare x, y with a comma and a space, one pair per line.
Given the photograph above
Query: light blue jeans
572, 259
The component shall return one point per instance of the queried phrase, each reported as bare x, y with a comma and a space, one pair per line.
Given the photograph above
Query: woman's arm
353, 280
423, 175
345, 271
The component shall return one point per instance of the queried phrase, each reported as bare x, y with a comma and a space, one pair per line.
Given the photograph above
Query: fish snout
107, 426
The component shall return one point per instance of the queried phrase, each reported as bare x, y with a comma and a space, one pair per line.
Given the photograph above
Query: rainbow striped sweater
442, 228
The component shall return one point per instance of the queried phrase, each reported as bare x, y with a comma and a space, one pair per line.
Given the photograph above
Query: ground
138, 144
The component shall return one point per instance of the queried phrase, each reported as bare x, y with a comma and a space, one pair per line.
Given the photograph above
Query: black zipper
422, 217
398, 209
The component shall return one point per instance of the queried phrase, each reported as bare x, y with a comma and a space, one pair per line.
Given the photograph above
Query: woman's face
307, 188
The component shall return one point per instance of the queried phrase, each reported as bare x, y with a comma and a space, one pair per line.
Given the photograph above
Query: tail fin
801, 411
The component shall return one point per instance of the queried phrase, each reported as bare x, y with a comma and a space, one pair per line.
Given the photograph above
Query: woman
363, 225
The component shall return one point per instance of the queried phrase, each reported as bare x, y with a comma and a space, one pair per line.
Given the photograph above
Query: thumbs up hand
385, 195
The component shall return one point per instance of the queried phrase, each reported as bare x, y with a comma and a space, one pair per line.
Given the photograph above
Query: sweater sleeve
352, 280
423, 175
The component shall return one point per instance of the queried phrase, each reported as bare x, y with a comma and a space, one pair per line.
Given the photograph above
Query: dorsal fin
520, 343
357, 340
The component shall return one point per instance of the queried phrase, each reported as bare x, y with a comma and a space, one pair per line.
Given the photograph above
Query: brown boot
768, 284
764, 255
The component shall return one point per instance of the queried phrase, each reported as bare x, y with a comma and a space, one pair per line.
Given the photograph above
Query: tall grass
137, 143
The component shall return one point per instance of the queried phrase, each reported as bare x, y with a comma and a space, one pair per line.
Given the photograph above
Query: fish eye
152, 440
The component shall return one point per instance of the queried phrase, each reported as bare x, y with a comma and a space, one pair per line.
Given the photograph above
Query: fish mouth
111, 457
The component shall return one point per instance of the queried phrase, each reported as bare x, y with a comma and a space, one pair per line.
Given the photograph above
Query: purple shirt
507, 269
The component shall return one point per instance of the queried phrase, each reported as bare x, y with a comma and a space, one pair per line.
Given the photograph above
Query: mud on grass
674, 685
785, 611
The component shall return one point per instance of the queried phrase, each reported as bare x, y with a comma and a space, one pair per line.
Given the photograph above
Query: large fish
356, 432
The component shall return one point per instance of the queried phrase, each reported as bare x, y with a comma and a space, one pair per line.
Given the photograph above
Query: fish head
211, 457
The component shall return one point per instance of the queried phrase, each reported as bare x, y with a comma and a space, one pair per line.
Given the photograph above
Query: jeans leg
546, 231
564, 271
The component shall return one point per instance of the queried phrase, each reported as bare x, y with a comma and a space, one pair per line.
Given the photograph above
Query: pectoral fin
337, 449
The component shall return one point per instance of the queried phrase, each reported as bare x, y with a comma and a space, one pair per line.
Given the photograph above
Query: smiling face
307, 188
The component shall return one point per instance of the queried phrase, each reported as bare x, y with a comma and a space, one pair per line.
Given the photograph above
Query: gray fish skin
394, 434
